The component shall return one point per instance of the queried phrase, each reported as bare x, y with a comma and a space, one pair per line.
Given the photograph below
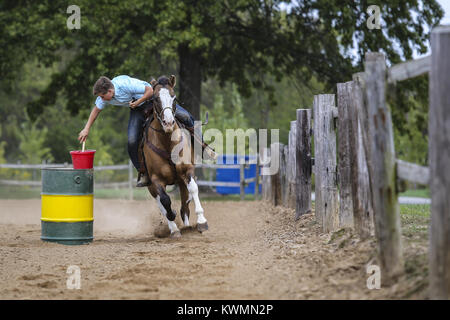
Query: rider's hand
82, 136
133, 104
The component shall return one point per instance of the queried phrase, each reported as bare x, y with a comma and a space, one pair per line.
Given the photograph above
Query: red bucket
83, 159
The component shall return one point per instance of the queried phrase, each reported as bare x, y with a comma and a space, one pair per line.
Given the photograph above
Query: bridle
160, 113
162, 153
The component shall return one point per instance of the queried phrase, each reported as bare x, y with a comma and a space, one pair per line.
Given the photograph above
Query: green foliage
257, 63
226, 113
235, 41
227, 110
3, 171
2, 147
409, 104
62, 131
275, 109
102, 154
412, 146
14, 97
403, 25
31, 149
112, 124
31, 144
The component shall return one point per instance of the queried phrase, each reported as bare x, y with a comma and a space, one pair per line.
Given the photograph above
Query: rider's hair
102, 85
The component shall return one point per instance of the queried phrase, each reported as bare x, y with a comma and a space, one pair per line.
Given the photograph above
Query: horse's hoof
175, 235
202, 227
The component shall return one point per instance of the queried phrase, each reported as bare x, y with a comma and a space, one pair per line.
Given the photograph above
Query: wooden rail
409, 69
243, 182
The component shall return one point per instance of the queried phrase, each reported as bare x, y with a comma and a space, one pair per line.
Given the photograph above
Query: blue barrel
233, 175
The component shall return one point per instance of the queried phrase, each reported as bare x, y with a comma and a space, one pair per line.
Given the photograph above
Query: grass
24, 192
419, 193
19, 192
415, 220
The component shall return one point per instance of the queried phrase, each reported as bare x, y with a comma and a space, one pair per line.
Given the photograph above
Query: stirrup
143, 180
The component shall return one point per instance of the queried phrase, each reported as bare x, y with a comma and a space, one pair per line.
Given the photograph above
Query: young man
135, 94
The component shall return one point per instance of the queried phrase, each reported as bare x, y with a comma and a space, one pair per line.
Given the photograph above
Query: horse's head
164, 102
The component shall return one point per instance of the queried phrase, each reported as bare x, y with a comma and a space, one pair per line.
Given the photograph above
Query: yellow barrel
67, 201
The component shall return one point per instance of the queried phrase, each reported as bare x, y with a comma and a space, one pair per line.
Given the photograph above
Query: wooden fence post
276, 179
382, 171
303, 164
345, 133
327, 205
291, 167
439, 150
362, 198
284, 174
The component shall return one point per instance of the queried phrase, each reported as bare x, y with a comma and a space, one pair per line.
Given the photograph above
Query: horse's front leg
158, 191
184, 195
202, 224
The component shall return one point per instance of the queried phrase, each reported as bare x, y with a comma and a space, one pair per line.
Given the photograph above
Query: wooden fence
130, 182
362, 191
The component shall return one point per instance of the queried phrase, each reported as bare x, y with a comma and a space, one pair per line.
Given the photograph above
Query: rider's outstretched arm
82, 136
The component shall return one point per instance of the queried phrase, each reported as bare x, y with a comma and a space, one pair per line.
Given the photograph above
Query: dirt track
252, 251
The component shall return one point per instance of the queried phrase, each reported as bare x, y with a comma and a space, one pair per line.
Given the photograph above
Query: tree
102, 156
228, 114
235, 40
32, 144
409, 104
2, 148
14, 98
3, 171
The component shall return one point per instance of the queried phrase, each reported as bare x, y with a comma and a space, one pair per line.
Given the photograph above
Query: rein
162, 153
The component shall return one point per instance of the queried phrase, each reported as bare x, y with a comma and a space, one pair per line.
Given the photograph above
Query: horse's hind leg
164, 203
184, 194
202, 224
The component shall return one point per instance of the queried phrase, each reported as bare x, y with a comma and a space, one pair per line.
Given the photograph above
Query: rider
135, 94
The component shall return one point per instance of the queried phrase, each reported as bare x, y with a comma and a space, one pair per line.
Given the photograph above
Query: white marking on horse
172, 225
166, 102
193, 192
186, 220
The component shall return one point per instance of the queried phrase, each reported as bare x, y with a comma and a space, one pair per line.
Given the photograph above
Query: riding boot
143, 179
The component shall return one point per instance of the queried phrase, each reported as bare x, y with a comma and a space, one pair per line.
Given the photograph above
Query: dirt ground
251, 251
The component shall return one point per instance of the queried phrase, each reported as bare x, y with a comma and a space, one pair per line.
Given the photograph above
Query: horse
163, 137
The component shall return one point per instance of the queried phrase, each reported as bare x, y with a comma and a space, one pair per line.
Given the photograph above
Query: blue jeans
135, 129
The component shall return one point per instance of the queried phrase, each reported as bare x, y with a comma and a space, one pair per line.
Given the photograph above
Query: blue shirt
125, 90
